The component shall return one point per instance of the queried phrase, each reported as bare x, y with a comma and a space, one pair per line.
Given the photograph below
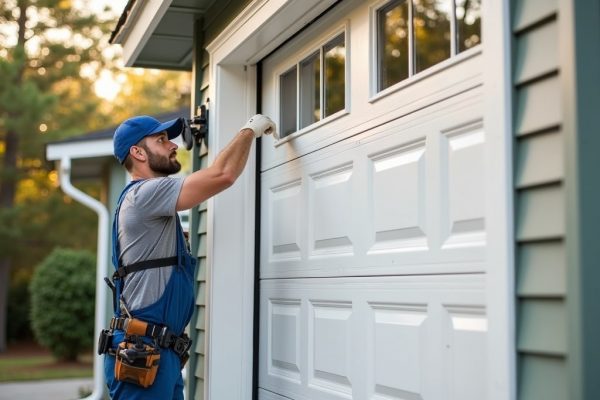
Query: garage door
372, 216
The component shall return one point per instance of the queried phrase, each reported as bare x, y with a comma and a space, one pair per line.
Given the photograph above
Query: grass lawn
25, 362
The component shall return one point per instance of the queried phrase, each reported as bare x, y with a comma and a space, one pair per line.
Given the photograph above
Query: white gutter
101, 261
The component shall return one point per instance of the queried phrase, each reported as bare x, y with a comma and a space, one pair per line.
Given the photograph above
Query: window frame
413, 77
296, 61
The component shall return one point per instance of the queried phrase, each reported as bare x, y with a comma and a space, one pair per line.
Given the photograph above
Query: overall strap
123, 270
116, 250
145, 264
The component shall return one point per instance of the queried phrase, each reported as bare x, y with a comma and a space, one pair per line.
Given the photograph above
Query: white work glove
261, 125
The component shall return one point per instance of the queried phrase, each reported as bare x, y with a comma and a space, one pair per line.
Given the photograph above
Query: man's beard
163, 165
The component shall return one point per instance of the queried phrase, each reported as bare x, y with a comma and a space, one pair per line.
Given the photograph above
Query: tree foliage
52, 54
148, 92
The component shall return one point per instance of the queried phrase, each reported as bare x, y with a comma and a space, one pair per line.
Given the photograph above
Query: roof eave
137, 23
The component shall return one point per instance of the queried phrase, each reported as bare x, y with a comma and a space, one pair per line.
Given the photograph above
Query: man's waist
164, 337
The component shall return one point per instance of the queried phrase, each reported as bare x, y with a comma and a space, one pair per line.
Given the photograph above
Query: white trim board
85, 149
500, 291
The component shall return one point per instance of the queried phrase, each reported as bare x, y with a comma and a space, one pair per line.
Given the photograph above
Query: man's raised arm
227, 167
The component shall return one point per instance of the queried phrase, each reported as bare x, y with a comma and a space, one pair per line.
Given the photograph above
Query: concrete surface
57, 389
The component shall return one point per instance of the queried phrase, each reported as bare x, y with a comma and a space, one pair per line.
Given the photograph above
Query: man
153, 283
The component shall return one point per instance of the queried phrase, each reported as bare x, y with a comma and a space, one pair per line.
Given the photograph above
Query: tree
149, 92
50, 53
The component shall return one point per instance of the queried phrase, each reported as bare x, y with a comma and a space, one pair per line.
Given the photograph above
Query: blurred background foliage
55, 67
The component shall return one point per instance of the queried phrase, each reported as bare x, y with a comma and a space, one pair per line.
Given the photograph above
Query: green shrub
62, 302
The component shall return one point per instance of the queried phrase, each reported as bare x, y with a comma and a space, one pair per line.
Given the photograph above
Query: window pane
335, 75
287, 110
310, 90
432, 32
392, 43
468, 23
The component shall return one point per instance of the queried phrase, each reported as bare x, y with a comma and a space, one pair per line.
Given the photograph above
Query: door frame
499, 189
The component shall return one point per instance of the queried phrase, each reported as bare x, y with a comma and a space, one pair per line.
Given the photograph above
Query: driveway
58, 389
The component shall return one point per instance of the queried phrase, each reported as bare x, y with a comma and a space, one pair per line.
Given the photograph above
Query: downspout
101, 262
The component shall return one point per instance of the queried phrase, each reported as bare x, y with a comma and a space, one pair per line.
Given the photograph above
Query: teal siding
541, 269
198, 237
542, 378
540, 203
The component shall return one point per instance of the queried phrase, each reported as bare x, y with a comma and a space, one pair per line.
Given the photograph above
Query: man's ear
138, 153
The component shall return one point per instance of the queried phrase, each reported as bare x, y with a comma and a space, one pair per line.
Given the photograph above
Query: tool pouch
136, 362
104, 341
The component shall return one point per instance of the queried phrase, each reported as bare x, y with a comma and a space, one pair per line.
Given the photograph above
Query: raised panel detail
466, 347
329, 346
397, 342
398, 199
375, 338
285, 203
331, 211
284, 338
464, 182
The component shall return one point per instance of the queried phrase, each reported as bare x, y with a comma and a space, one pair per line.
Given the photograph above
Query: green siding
537, 53
196, 368
541, 269
540, 213
538, 106
542, 378
531, 12
221, 14
542, 325
540, 159
540, 202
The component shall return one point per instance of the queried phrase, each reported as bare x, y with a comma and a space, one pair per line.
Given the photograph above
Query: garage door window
315, 88
414, 35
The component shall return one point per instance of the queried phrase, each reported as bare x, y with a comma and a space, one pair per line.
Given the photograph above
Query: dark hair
128, 163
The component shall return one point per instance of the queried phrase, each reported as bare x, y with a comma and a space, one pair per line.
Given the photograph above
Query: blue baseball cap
130, 132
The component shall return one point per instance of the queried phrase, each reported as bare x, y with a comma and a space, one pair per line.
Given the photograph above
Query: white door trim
500, 291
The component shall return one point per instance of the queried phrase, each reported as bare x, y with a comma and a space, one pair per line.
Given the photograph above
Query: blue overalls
174, 309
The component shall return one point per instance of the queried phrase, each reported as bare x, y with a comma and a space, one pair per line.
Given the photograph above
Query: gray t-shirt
147, 230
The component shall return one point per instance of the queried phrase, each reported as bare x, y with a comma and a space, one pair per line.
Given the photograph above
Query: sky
108, 85
117, 5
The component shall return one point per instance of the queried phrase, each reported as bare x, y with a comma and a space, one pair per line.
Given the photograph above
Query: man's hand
261, 125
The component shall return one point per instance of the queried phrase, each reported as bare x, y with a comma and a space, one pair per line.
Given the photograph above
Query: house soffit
159, 34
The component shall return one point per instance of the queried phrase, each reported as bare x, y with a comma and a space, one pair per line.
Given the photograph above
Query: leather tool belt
137, 362
161, 334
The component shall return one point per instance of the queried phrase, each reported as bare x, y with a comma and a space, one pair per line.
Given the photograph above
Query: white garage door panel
364, 109
266, 395
404, 198
419, 337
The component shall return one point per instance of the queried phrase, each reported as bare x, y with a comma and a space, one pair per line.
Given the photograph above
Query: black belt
180, 344
146, 264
